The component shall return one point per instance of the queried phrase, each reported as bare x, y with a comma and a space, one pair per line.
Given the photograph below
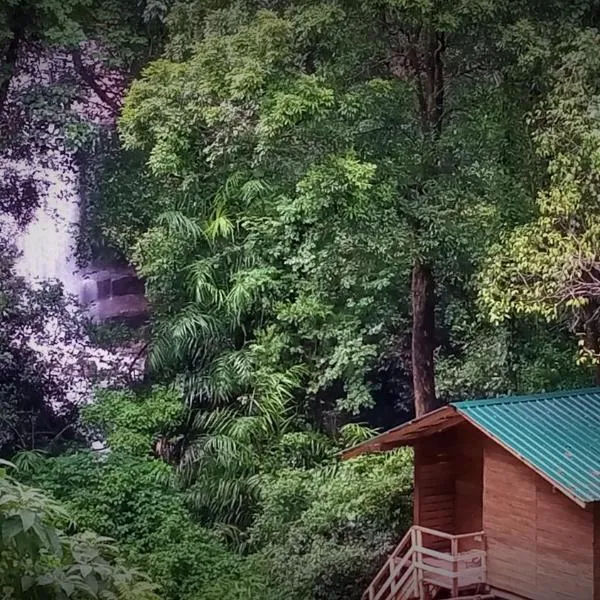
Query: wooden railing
395, 573
416, 571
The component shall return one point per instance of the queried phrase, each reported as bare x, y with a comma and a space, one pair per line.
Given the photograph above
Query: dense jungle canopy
344, 212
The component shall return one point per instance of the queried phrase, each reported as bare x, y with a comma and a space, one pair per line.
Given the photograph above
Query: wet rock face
115, 295
127, 285
129, 309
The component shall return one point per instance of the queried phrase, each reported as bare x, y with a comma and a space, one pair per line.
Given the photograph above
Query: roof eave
408, 433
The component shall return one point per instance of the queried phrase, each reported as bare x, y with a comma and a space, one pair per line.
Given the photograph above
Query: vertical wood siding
540, 543
434, 483
596, 509
468, 485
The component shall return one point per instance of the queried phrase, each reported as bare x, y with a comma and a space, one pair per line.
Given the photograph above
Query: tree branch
89, 78
9, 61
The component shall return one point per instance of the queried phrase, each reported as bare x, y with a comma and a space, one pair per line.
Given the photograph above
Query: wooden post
420, 583
413, 542
484, 559
455, 575
417, 453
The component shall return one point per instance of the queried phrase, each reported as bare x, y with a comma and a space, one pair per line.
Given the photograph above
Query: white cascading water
47, 244
47, 248
48, 253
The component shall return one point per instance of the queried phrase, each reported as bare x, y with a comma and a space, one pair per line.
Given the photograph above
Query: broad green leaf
67, 587
27, 582
11, 527
92, 583
27, 518
46, 579
55, 543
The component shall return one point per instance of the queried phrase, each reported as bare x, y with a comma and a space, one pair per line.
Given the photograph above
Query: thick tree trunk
423, 339
418, 55
428, 68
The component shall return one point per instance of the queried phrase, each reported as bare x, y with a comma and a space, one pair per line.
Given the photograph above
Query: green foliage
316, 531
228, 442
111, 335
303, 175
548, 266
130, 421
301, 450
37, 559
308, 514
283, 169
352, 434
325, 532
305, 186
517, 358
34, 409
123, 202
126, 497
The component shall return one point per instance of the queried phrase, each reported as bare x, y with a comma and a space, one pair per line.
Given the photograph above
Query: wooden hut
506, 501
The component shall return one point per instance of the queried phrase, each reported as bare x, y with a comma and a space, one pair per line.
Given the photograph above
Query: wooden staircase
426, 562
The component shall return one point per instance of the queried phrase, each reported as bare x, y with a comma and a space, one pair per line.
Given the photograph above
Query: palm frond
253, 190
231, 188
219, 225
28, 461
352, 434
248, 284
179, 224
205, 290
187, 334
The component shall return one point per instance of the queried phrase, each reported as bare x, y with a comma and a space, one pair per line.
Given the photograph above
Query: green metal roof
558, 434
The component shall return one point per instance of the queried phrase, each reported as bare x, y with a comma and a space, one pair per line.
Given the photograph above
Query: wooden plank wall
468, 466
434, 484
596, 509
540, 543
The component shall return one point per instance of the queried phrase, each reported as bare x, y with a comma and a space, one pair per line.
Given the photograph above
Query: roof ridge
525, 398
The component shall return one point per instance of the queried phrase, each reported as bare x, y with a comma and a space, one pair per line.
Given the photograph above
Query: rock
103, 288
88, 292
126, 285
114, 294
130, 309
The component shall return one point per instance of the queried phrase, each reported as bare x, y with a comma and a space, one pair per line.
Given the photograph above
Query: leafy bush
39, 560
131, 421
318, 528
124, 496
318, 533
123, 201
324, 532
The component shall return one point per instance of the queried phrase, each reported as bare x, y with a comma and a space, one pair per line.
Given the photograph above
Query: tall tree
422, 49
375, 136
550, 265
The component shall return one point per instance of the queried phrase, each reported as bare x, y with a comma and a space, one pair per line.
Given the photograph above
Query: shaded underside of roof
557, 434
406, 434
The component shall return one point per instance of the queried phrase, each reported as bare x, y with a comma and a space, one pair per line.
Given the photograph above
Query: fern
179, 224
352, 434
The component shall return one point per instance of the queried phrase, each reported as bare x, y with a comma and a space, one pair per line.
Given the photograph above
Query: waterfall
47, 245
47, 248
47, 253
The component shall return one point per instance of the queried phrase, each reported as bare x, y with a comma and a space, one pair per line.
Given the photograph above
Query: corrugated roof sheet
558, 434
